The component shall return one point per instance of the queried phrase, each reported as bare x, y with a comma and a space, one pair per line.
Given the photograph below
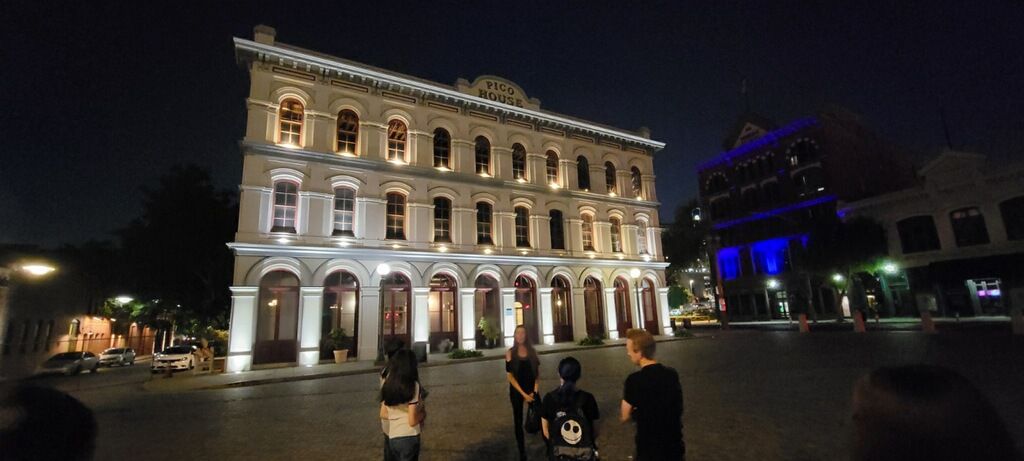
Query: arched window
551, 164
641, 236
441, 310
483, 156
442, 219
588, 231
483, 224
518, 162
969, 227
609, 177
561, 309
593, 306
286, 199
290, 116
616, 232
583, 173
1013, 217
397, 136
634, 176
442, 148
557, 230
917, 234
395, 216
348, 131
344, 210
340, 311
486, 305
277, 315
522, 227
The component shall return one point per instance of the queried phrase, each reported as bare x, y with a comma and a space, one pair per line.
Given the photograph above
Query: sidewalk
185, 381
886, 324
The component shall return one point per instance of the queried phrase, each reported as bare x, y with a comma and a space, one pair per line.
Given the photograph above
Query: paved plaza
748, 395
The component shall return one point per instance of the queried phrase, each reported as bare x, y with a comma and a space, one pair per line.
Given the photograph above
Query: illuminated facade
768, 189
402, 209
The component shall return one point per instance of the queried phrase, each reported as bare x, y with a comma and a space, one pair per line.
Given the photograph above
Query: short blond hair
643, 341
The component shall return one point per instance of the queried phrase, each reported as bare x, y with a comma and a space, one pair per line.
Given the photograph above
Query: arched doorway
623, 311
647, 297
395, 299
486, 305
340, 311
277, 319
593, 307
561, 309
442, 312
526, 307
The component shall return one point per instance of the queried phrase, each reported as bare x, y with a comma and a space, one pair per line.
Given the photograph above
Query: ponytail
569, 369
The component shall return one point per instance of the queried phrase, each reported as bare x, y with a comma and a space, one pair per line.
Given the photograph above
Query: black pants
517, 418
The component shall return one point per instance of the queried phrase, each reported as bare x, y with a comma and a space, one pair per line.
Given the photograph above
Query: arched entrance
561, 309
623, 311
526, 307
442, 312
395, 299
593, 307
486, 305
340, 311
650, 309
277, 319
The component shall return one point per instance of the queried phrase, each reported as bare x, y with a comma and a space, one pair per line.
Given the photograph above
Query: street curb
286, 379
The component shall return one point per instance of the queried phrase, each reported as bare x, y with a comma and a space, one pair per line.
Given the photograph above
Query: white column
242, 334
547, 320
579, 315
637, 302
609, 304
420, 318
467, 326
508, 301
369, 323
310, 304
663, 323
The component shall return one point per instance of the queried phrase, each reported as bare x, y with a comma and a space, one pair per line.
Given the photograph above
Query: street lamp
773, 284
634, 273
37, 270
838, 278
383, 270
123, 299
889, 268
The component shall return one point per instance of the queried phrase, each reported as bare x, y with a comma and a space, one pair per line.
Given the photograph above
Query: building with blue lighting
768, 189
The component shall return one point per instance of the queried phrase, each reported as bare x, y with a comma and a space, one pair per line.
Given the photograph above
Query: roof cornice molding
438, 91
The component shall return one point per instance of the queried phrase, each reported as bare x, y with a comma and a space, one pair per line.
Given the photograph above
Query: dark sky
102, 97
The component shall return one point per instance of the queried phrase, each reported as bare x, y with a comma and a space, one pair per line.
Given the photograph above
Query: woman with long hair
570, 413
523, 368
401, 408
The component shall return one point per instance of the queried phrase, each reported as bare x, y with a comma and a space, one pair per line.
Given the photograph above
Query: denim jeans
402, 448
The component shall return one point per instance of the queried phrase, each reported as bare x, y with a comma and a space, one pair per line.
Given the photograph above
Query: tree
175, 253
848, 249
685, 241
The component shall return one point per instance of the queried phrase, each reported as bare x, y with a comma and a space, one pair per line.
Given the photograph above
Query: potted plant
489, 331
340, 342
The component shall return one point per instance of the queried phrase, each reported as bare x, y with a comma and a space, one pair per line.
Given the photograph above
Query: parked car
174, 358
117, 356
70, 363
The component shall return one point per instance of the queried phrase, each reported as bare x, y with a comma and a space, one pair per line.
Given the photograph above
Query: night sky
100, 98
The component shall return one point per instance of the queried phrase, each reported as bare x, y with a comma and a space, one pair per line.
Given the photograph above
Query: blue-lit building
768, 187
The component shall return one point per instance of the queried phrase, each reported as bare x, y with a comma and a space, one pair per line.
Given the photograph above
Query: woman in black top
522, 366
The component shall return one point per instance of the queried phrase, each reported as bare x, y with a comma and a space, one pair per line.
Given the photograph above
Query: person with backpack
653, 398
569, 416
523, 369
401, 408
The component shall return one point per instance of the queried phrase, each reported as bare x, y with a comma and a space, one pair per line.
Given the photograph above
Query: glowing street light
38, 270
383, 269
634, 273
837, 278
889, 268
773, 284
123, 299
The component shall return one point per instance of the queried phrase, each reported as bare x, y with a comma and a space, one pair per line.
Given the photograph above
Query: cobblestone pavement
748, 395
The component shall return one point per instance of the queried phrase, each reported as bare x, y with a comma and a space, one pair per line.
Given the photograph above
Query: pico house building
397, 208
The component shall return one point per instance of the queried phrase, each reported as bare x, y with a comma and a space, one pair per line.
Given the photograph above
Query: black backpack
572, 433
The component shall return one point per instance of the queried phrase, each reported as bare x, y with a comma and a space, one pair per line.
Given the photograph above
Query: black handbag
533, 411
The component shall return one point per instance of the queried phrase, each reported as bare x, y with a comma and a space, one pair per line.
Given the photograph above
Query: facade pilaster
310, 306
611, 324
242, 330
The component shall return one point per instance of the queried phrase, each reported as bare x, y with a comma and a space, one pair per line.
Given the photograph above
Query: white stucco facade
313, 207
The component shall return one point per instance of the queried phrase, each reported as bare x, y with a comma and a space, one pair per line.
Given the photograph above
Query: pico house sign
499, 90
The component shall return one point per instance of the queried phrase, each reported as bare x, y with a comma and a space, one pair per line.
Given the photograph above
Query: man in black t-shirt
653, 398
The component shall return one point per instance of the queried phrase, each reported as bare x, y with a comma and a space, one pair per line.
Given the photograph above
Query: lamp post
383, 270
634, 273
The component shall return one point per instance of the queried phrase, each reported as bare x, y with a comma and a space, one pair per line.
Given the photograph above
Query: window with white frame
483, 224
518, 162
522, 226
442, 148
588, 231
397, 137
442, 219
348, 132
609, 177
344, 210
395, 216
583, 173
290, 115
482, 148
551, 166
634, 175
616, 232
286, 199
641, 237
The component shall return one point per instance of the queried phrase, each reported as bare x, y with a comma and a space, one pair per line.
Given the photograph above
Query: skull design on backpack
571, 432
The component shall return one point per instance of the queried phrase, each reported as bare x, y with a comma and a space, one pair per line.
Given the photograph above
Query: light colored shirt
397, 422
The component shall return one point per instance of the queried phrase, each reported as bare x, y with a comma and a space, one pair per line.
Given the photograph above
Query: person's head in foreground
39, 423
640, 345
923, 412
402, 375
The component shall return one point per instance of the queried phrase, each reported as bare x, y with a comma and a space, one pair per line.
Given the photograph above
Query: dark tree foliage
852, 249
175, 252
685, 241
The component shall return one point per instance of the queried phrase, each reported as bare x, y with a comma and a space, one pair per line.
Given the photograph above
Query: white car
117, 356
174, 358
69, 363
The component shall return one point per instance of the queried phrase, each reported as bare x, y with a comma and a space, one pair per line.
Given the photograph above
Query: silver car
117, 356
70, 363
174, 358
